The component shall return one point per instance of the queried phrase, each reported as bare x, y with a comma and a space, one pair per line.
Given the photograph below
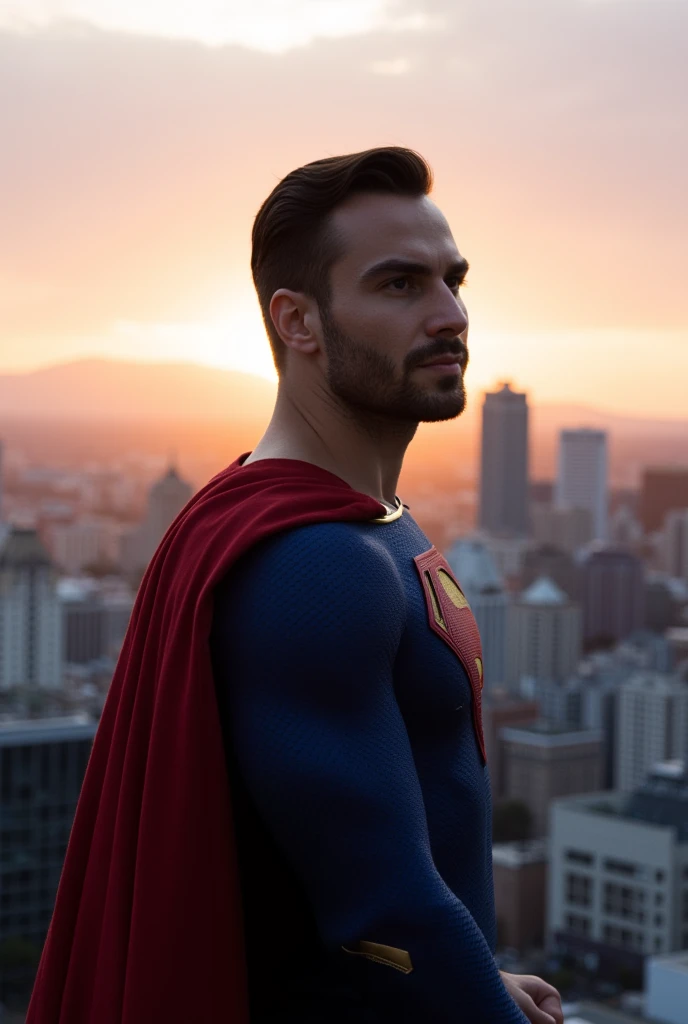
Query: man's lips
446, 360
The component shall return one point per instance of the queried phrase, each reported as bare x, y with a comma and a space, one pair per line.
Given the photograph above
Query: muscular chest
439, 670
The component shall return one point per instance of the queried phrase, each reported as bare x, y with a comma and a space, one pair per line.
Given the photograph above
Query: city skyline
141, 145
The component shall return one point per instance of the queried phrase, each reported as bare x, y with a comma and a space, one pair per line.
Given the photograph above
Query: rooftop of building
26, 731
475, 567
661, 801
517, 854
673, 962
21, 546
594, 1013
543, 733
544, 591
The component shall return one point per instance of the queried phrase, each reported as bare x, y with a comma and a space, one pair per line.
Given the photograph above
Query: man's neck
366, 451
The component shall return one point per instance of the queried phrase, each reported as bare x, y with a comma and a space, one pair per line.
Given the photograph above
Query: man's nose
449, 315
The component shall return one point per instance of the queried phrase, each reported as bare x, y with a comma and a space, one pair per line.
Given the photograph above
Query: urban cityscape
583, 614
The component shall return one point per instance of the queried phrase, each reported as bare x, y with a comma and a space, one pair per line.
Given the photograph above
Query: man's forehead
373, 226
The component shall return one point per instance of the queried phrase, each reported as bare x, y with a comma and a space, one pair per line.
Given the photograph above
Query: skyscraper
504, 463
663, 488
582, 475
545, 634
652, 726
166, 498
676, 543
30, 614
612, 592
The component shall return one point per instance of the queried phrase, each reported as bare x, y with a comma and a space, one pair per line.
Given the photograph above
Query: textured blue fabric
362, 805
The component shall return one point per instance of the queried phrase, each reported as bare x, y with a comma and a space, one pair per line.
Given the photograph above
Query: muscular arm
308, 634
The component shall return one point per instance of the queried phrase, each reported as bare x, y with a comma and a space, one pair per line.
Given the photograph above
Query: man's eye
399, 284
454, 283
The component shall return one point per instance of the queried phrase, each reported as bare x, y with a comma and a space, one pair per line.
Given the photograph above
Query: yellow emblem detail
400, 959
479, 666
451, 590
436, 610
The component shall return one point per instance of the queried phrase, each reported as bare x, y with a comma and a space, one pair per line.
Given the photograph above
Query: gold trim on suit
399, 959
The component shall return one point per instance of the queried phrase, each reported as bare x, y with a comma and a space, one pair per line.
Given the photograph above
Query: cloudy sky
140, 136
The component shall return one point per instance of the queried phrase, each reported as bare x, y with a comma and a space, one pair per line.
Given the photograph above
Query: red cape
147, 924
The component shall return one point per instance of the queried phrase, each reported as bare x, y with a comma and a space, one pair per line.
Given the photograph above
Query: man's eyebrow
395, 265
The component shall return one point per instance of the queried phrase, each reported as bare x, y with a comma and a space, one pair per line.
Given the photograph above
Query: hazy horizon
140, 143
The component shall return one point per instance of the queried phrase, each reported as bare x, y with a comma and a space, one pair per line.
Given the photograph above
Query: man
347, 672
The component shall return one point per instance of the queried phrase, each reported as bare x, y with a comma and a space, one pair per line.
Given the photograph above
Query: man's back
361, 797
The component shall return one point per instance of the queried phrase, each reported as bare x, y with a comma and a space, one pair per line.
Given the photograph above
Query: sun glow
270, 25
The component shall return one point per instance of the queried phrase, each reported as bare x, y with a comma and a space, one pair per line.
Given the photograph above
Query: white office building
582, 475
618, 879
651, 726
545, 634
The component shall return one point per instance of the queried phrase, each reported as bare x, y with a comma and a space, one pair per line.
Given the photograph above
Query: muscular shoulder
338, 576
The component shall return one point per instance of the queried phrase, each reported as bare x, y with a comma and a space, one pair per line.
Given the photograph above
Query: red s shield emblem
450, 616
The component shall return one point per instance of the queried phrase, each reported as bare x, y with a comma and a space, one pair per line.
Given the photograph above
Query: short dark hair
291, 247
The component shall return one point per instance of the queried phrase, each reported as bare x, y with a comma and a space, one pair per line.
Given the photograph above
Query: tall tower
582, 475
504, 463
30, 613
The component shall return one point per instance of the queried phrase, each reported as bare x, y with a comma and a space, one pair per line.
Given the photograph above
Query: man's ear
296, 320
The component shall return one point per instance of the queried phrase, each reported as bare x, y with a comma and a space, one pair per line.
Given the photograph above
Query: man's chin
443, 412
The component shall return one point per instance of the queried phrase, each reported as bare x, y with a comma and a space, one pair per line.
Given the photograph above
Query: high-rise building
30, 615
582, 475
504, 490
543, 761
662, 489
544, 634
553, 562
42, 766
95, 618
612, 593
166, 498
652, 726
476, 571
618, 873
676, 543
2, 479
566, 528
502, 709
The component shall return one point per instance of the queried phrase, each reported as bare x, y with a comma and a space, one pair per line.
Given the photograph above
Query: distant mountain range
163, 397
121, 390
113, 389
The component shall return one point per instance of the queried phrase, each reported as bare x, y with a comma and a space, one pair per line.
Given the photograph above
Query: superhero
286, 814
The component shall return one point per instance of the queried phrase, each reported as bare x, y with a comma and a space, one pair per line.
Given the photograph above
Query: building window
659, 920
579, 857
623, 901
659, 876
659, 899
579, 890
578, 924
620, 867
622, 937
658, 944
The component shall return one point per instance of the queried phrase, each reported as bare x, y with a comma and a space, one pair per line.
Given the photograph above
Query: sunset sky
140, 136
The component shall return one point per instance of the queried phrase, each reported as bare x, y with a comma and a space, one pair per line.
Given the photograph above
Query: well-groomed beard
367, 380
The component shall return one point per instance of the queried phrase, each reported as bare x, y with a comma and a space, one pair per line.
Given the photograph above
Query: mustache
456, 347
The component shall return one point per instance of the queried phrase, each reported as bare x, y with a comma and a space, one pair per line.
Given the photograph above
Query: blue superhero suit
360, 795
